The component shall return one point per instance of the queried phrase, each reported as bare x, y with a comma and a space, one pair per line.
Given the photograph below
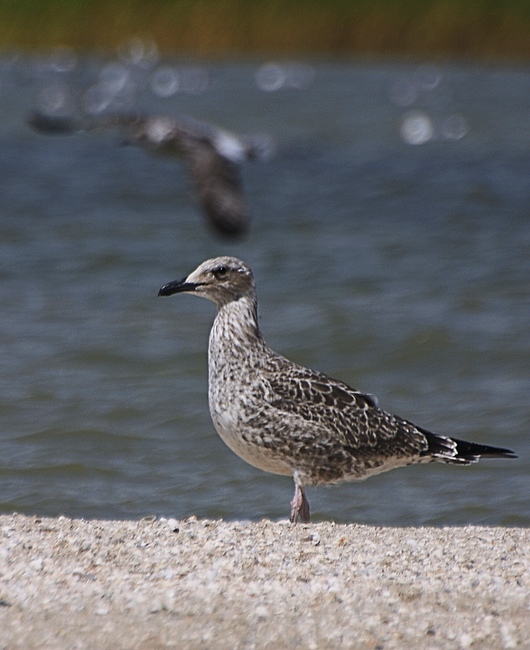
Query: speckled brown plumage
287, 419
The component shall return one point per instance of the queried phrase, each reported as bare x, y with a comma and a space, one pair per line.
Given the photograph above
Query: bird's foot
300, 506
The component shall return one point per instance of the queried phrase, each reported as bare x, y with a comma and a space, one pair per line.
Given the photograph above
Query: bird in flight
212, 156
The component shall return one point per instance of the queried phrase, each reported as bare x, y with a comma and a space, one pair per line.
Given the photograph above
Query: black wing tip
52, 124
230, 231
231, 225
465, 449
455, 450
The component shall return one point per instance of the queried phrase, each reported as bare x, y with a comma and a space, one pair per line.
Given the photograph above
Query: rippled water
391, 244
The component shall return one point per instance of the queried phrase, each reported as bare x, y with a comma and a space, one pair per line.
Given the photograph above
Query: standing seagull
212, 155
286, 419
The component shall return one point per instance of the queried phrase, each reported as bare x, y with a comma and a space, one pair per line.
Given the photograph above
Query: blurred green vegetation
485, 29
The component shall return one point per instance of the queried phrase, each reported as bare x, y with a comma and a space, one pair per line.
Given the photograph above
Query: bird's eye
220, 271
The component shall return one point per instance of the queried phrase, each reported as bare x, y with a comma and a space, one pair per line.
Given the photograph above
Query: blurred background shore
477, 29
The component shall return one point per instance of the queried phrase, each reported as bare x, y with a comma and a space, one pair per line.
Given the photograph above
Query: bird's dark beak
178, 286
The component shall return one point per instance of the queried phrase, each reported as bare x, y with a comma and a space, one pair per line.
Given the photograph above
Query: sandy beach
68, 583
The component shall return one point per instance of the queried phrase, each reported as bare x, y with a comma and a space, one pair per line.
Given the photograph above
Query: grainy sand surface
68, 583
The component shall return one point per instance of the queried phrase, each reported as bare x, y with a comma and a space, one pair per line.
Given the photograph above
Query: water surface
391, 245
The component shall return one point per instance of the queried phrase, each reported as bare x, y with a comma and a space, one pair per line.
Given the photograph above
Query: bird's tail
453, 450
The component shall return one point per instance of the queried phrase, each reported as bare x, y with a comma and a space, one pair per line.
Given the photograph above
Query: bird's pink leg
299, 505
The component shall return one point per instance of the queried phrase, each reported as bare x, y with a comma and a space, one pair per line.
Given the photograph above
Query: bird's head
221, 280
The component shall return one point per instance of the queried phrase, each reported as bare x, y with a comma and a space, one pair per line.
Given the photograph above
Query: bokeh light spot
416, 128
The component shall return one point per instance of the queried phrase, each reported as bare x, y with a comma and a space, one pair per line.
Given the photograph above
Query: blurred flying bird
213, 156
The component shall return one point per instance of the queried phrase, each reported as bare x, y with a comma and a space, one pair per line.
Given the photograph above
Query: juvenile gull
213, 156
287, 419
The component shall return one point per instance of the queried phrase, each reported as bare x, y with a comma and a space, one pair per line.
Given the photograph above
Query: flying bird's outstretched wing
213, 157
219, 187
